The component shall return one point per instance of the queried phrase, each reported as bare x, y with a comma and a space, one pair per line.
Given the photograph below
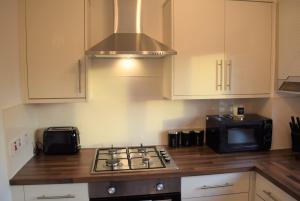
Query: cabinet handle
269, 194
217, 186
79, 76
219, 80
44, 197
228, 74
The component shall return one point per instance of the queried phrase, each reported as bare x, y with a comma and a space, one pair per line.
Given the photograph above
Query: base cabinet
267, 191
236, 197
218, 187
257, 198
58, 192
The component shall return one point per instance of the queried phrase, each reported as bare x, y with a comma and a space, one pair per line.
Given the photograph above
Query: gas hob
140, 158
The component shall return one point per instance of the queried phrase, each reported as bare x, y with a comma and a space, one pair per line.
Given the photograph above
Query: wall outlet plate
18, 143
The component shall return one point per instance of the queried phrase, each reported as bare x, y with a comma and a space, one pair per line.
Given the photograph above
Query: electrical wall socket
25, 139
18, 143
15, 146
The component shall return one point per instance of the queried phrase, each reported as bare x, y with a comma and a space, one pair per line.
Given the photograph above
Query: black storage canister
174, 138
186, 138
198, 138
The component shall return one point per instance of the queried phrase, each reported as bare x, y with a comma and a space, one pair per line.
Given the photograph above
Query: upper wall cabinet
55, 41
224, 49
288, 50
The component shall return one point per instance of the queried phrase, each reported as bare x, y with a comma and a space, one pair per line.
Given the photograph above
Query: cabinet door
288, 38
55, 49
233, 197
17, 193
269, 192
199, 40
257, 198
213, 185
58, 192
248, 38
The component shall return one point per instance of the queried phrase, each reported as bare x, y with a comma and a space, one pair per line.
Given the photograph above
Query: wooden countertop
282, 167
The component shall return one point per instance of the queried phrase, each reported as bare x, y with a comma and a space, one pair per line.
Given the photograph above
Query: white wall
15, 117
9, 79
280, 108
130, 110
4, 187
18, 121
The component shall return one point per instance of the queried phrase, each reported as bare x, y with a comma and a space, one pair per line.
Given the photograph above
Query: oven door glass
243, 138
156, 197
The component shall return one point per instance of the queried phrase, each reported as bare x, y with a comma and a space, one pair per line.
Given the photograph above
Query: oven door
241, 138
156, 197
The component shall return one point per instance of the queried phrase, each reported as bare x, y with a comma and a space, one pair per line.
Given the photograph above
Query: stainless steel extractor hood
290, 85
128, 39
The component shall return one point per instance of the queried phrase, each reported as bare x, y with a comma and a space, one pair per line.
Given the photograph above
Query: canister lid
173, 132
186, 132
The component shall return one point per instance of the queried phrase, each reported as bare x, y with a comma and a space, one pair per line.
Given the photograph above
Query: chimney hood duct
128, 39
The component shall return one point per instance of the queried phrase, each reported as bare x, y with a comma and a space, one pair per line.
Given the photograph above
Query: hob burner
142, 158
113, 162
142, 149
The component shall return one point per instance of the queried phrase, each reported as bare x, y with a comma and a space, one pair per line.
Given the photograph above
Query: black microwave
61, 140
226, 134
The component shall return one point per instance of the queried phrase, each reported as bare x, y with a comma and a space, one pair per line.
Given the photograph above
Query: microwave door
242, 138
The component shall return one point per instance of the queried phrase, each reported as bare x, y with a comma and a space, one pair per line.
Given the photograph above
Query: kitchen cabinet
55, 46
214, 187
59, 192
257, 198
17, 193
248, 44
288, 48
198, 38
267, 191
224, 49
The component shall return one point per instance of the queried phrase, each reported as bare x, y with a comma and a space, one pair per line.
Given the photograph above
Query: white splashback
18, 121
125, 106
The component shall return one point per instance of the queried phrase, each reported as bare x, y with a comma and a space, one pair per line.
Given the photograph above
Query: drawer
269, 192
219, 184
234, 197
57, 192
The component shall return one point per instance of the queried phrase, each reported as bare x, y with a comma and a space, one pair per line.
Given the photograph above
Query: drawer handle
44, 197
217, 186
269, 194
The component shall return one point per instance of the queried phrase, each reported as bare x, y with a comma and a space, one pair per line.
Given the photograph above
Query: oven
136, 190
162, 197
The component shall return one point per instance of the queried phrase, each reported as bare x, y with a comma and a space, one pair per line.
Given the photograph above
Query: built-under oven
159, 197
136, 190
